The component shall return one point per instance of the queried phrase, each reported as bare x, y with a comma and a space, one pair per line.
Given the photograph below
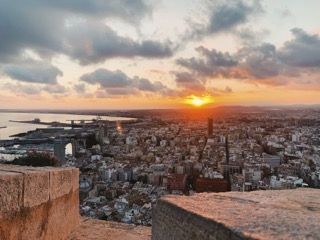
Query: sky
136, 54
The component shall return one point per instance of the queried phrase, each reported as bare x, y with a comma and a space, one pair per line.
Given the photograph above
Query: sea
12, 128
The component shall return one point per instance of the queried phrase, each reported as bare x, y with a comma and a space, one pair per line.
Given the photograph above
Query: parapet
285, 214
38, 203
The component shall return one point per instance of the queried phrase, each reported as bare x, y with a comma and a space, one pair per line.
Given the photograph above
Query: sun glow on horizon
199, 101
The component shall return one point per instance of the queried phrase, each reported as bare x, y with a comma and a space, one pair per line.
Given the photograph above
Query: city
125, 167
132, 167
159, 120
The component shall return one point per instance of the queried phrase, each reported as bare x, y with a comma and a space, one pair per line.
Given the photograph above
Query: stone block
285, 214
11, 193
36, 183
75, 179
61, 182
36, 188
38, 203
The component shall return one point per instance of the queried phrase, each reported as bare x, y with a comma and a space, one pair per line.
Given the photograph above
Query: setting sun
199, 101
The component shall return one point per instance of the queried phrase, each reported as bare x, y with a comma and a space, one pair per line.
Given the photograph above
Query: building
177, 182
59, 149
272, 160
210, 126
211, 185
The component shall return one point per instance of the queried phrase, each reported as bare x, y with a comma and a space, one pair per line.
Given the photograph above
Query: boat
3, 127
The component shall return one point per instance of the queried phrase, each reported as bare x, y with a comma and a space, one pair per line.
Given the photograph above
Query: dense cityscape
126, 166
159, 120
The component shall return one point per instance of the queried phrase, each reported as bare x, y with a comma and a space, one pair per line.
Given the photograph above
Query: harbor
55, 134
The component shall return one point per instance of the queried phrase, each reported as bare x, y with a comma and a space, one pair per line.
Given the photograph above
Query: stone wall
38, 203
285, 214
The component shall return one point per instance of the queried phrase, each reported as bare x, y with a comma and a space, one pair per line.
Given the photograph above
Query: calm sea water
15, 128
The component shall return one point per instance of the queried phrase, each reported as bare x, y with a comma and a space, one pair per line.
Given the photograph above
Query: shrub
36, 160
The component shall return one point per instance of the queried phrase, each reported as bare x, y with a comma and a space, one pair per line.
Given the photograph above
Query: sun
198, 101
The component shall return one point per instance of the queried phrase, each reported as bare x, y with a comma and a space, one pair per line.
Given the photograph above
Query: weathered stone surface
61, 182
11, 193
91, 229
63, 216
36, 188
27, 212
75, 179
36, 183
286, 214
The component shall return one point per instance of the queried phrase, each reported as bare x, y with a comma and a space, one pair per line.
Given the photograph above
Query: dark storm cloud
33, 72
118, 83
302, 51
224, 16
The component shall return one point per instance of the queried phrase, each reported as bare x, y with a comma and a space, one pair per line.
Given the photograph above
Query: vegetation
36, 160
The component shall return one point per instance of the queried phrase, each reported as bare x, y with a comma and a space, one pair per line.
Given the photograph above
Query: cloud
231, 14
33, 72
74, 28
28, 25
55, 89
258, 64
127, 10
263, 63
96, 42
107, 79
302, 51
218, 91
188, 81
118, 83
145, 85
212, 63
225, 16
35, 89
25, 89
80, 88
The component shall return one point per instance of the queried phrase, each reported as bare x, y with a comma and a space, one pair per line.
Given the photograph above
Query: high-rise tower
227, 173
210, 127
